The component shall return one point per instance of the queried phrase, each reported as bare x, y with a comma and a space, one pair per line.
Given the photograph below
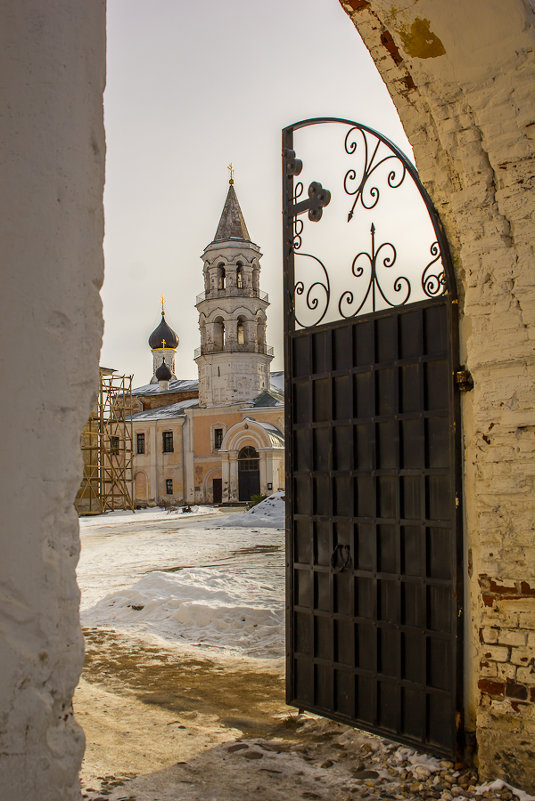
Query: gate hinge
464, 380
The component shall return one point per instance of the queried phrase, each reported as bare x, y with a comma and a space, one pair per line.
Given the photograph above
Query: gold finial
163, 347
163, 304
230, 167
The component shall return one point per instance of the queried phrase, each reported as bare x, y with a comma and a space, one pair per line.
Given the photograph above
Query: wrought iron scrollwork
434, 281
388, 274
367, 262
318, 294
358, 185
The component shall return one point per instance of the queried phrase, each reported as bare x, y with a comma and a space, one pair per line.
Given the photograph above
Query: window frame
140, 438
168, 445
213, 428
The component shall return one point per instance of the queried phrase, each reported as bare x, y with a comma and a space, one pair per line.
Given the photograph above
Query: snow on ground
122, 516
269, 513
200, 607
192, 580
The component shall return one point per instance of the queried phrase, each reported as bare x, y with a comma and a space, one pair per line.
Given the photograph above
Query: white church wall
53, 65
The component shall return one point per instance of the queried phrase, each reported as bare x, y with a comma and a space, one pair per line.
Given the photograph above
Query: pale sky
191, 87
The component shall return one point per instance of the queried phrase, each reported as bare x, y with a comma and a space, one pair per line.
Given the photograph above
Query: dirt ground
163, 726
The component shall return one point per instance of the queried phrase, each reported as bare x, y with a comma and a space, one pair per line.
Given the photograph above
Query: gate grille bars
373, 520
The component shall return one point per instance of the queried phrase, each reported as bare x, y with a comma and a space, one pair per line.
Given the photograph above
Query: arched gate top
377, 278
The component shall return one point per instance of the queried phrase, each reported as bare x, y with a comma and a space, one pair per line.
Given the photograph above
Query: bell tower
233, 359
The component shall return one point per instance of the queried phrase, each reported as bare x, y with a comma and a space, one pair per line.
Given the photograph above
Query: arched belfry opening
240, 331
219, 335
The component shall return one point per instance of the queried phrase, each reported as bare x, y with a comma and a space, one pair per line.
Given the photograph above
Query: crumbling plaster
52, 68
462, 76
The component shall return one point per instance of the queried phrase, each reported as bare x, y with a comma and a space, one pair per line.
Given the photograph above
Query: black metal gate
374, 547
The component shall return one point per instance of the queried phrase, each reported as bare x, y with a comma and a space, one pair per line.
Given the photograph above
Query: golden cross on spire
163, 304
230, 167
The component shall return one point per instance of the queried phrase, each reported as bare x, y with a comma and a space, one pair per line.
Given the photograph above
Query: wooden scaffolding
107, 449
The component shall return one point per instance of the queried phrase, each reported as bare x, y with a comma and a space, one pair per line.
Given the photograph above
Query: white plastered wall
52, 68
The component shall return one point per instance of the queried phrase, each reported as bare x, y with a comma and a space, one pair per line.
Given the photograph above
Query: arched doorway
248, 473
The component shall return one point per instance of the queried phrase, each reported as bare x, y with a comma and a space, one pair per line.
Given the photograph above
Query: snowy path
187, 578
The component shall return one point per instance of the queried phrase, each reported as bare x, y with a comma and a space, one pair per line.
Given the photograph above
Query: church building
218, 439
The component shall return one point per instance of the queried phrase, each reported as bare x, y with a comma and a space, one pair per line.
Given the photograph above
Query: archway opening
219, 334
240, 331
221, 276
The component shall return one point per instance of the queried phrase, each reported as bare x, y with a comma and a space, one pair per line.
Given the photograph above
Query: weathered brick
490, 670
522, 656
526, 675
491, 687
515, 690
505, 670
507, 637
489, 634
496, 653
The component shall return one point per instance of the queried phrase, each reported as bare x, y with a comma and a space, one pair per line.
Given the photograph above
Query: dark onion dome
163, 373
163, 332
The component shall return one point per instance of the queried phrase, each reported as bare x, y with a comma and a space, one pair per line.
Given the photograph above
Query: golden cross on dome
163, 304
163, 346
230, 167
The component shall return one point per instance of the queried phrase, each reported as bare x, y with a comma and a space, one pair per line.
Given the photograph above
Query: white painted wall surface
52, 68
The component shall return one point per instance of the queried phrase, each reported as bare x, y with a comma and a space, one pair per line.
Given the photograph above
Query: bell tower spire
233, 360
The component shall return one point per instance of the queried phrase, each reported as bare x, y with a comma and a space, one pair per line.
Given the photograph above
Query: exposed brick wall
462, 76
507, 636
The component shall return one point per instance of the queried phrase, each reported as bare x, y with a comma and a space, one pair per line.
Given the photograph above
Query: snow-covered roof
166, 412
192, 385
175, 385
276, 437
277, 381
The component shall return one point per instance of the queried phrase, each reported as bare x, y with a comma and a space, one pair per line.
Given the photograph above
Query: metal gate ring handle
345, 553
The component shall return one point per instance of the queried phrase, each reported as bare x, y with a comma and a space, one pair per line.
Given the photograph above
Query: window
221, 277
239, 277
169, 486
114, 445
241, 331
218, 438
140, 443
167, 439
248, 459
